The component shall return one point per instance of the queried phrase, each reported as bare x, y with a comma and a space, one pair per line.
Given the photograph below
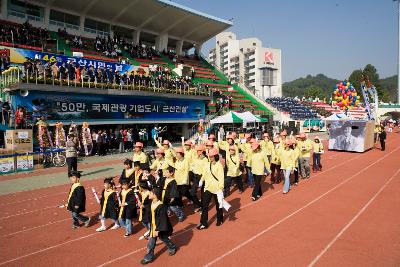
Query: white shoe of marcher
116, 226
101, 229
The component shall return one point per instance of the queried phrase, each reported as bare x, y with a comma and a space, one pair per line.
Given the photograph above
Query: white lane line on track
316, 259
295, 212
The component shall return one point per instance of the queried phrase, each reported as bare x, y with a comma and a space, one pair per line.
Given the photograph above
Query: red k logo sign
268, 57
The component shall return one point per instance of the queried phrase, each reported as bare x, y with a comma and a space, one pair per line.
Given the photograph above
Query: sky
332, 37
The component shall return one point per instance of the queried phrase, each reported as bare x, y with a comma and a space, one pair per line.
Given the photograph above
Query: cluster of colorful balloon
345, 96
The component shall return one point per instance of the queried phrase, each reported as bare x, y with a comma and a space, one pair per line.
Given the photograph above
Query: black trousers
382, 144
194, 180
72, 163
207, 195
257, 186
275, 168
228, 184
296, 176
184, 191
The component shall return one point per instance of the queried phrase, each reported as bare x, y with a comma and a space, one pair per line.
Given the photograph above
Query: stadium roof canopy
150, 16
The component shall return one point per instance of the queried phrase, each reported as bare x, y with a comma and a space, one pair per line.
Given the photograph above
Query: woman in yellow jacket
318, 150
213, 178
267, 145
233, 171
259, 162
287, 164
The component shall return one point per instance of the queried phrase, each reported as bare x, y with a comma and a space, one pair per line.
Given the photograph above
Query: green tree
373, 76
314, 92
356, 77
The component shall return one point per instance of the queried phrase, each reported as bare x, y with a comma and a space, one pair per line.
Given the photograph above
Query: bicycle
54, 156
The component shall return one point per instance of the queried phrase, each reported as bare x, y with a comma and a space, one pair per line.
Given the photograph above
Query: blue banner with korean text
66, 107
19, 55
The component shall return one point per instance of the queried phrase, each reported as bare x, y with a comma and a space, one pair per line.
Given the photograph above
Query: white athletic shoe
116, 226
101, 229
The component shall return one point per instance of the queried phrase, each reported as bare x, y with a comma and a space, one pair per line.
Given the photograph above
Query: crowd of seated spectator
321, 111
23, 34
74, 73
292, 106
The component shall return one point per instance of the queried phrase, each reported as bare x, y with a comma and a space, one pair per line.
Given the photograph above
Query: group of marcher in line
151, 192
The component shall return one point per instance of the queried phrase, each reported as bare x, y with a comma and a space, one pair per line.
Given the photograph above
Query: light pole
398, 51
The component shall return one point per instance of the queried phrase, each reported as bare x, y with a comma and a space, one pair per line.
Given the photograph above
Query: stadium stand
294, 108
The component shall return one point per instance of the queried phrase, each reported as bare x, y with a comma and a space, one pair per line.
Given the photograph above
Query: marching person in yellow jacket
267, 145
296, 150
233, 170
209, 145
215, 143
230, 141
276, 161
199, 164
259, 162
168, 150
287, 164
138, 154
318, 150
161, 164
247, 151
305, 146
213, 178
283, 136
182, 177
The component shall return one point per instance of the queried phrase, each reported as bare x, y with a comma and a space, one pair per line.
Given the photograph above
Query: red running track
345, 215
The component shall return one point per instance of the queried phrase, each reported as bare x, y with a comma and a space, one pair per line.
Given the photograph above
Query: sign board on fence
25, 163
7, 165
19, 140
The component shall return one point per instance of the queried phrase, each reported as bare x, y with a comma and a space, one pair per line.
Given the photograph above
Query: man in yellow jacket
267, 145
305, 146
247, 151
259, 162
213, 178
182, 177
233, 170
276, 161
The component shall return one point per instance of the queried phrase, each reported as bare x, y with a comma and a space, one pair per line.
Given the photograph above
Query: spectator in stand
20, 118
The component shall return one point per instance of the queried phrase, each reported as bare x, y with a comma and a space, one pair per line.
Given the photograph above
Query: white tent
248, 117
235, 117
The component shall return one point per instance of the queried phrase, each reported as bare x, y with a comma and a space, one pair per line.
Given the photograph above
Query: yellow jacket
169, 153
210, 183
142, 157
182, 171
161, 165
287, 159
199, 165
318, 147
247, 152
267, 146
259, 161
305, 148
233, 164
190, 155
224, 145
275, 156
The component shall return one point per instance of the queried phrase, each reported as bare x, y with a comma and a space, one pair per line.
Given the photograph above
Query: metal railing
15, 75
